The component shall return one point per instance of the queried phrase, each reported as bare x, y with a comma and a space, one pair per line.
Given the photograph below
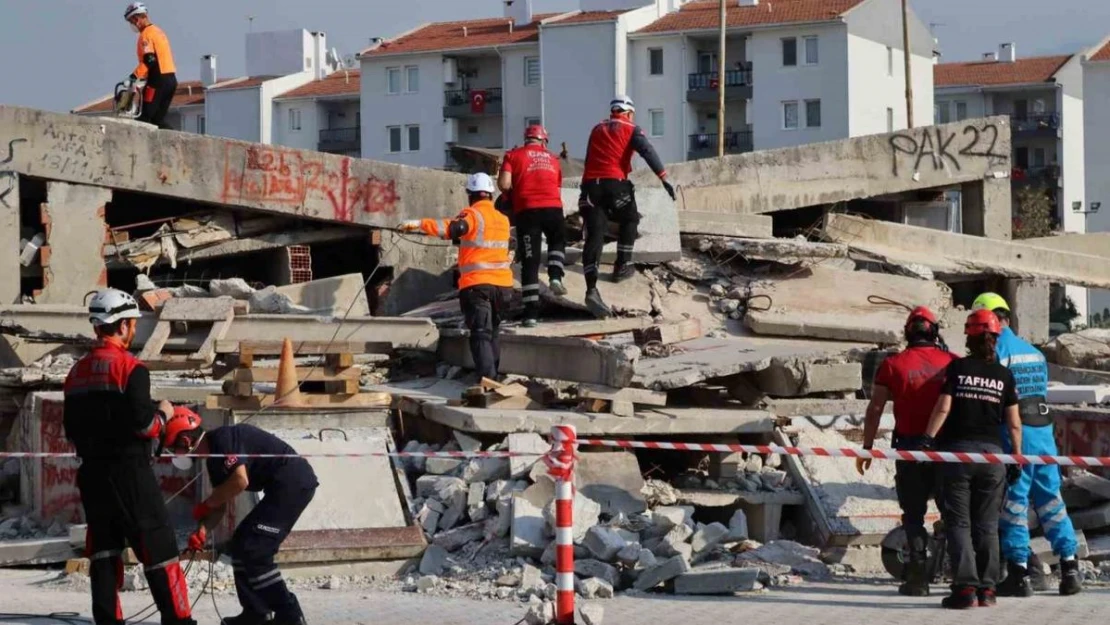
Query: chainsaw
129, 98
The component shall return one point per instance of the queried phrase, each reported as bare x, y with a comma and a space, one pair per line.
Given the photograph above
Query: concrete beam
237, 247
725, 224
837, 171
1091, 243
557, 358
959, 254
300, 183
658, 421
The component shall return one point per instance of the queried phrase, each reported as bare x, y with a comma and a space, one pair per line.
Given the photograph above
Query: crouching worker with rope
287, 484
485, 273
112, 422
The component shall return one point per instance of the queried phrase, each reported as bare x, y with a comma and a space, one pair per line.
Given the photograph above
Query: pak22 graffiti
933, 143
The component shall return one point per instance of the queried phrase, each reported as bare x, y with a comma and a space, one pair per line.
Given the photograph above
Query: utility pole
721, 88
909, 74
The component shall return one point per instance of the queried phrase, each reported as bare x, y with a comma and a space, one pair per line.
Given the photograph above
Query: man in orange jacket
155, 66
485, 272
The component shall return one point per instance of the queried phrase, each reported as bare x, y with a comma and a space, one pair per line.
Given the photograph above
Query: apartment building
795, 72
323, 115
1096, 145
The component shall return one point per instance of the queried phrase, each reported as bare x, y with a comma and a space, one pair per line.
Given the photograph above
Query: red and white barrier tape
399, 454
848, 452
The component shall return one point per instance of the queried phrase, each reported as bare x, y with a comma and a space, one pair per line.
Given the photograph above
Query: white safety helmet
622, 104
108, 306
476, 183
133, 9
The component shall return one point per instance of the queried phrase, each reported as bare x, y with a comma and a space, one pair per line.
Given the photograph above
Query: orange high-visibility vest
154, 39
484, 249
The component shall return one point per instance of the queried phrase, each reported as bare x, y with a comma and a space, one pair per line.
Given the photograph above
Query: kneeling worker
485, 273
288, 485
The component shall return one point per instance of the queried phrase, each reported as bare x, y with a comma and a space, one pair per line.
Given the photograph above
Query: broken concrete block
526, 443
794, 378
661, 572
646, 560
540, 614
603, 542
454, 502
531, 579
586, 513
754, 463
669, 333
466, 442
476, 503
629, 554
442, 466
589, 567
737, 526
708, 536
435, 558
612, 479
452, 540
435, 485
596, 588
528, 534
499, 525
589, 613
485, 470
717, 581
773, 479
668, 517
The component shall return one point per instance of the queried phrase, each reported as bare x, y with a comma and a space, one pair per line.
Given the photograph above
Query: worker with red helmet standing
288, 484
110, 419
978, 402
913, 379
533, 178
608, 195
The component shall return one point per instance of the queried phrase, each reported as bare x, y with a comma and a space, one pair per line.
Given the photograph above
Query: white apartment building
796, 71
1096, 144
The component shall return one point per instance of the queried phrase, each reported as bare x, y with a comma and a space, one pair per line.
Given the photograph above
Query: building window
889, 61
961, 111
532, 121
706, 62
811, 50
657, 127
414, 138
294, 119
943, 114
531, 71
308, 62
1038, 157
200, 124
655, 61
412, 79
789, 52
889, 118
1021, 157
790, 115
393, 80
394, 139
813, 113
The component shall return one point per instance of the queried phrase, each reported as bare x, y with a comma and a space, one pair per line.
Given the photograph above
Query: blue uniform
288, 485
1038, 483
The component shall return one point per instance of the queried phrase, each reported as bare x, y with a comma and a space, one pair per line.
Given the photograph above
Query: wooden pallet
216, 313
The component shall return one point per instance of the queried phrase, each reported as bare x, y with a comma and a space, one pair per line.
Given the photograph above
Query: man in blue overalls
1038, 483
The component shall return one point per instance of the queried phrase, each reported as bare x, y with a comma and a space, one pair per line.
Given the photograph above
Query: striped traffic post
560, 465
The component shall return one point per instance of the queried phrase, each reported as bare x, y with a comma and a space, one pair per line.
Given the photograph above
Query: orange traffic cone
288, 389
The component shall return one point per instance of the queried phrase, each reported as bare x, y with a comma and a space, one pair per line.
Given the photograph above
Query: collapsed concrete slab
964, 255
558, 358
725, 224
1089, 244
660, 421
827, 303
658, 228
1086, 349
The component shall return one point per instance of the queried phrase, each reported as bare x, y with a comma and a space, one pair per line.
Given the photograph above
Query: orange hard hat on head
981, 322
183, 420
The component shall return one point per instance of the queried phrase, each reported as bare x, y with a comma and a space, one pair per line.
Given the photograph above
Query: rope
879, 300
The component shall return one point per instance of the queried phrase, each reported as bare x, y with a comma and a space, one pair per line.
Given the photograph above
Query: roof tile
342, 82
1103, 54
704, 14
450, 36
586, 17
241, 83
1019, 72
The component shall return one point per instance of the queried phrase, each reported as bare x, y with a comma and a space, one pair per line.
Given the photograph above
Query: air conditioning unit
451, 130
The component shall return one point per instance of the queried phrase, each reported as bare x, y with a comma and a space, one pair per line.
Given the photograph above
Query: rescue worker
485, 274
112, 422
979, 399
608, 195
912, 379
1039, 484
287, 485
533, 178
156, 67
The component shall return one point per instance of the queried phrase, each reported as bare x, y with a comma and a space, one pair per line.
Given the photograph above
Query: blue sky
60, 54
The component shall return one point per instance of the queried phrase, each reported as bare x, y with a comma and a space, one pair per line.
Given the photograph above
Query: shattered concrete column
422, 269
1029, 302
9, 238
987, 208
73, 257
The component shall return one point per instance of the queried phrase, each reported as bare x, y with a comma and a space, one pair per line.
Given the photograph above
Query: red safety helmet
183, 420
535, 131
921, 312
982, 321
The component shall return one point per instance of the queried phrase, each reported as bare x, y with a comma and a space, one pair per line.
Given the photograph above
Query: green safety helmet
990, 301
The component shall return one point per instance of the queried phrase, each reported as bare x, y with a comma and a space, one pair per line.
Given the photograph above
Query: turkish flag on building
477, 102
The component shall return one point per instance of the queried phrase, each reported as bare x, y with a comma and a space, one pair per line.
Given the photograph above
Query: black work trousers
256, 541
124, 506
482, 308
604, 200
157, 100
532, 226
915, 483
973, 496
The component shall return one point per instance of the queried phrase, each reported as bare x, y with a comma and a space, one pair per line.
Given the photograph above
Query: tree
1064, 314
1033, 216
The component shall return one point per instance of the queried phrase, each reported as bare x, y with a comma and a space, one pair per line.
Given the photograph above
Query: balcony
702, 87
1047, 176
704, 145
472, 102
1036, 125
340, 140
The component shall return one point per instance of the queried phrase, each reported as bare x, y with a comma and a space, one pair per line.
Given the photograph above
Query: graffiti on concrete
7, 176
70, 152
289, 177
940, 148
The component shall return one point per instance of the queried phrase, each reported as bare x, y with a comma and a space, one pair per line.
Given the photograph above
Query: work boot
962, 598
596, 305
987, 598
1037, 579
623, 272
530, 323
557, 287
1016, 583
1071, 581
246, 618
915, 585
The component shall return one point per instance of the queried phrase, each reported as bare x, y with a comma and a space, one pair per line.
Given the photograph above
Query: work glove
862, 465
201, 511
411, 225
926, 443
197, 539
669, 188
1013, 473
